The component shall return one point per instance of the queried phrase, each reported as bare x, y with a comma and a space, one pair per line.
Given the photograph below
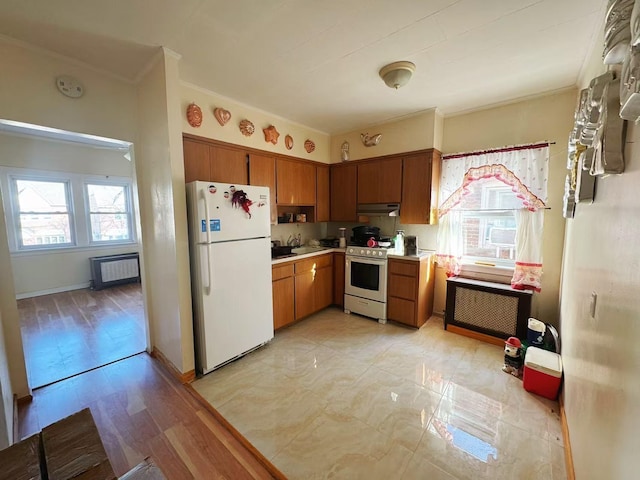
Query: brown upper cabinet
262, 171
420, 183
380, 181
196, 161
228, 166
211, 163
296, 182
344, 182
322, 194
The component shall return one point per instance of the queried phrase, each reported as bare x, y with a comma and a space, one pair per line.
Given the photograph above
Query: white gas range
366, 281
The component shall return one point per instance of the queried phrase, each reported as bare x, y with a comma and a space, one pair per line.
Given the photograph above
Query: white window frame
16, 212
128, 206
483, 265
78, 209
488, 261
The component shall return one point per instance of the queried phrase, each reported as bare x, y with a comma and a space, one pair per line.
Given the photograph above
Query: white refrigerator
230, 250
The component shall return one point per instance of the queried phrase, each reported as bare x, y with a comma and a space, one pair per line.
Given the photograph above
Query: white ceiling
317, 62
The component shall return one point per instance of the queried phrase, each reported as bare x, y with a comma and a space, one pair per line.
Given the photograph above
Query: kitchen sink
304, 250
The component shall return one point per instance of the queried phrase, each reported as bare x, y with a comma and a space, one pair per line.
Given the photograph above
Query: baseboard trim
568, 457
477, 335
183, 378
49, 291
270, 467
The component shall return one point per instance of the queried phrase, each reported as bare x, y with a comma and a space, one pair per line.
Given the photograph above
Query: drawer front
402, 287
281, 271
404, 268
400, 310
307, 265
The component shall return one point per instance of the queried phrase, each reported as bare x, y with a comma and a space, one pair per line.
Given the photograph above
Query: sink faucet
294, 241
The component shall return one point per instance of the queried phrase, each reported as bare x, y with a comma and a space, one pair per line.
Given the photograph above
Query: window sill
71, 249
487, 273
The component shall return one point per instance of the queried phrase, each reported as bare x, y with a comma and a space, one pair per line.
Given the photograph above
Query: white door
237, 313
217, 219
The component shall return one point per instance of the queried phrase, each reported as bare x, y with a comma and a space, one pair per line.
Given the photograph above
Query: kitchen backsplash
307, 231
427, 234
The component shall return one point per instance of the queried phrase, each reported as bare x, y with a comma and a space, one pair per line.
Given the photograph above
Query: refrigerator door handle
207, 220
210, 278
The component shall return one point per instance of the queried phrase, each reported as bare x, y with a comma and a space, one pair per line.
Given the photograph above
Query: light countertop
306, 252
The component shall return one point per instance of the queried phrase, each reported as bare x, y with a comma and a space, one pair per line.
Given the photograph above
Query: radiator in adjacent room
490, 308
112, 270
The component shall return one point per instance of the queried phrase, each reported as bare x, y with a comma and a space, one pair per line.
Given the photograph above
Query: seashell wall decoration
309, 146
370, 141
247, 128
222, 115
271, 134
194, 115
288, 142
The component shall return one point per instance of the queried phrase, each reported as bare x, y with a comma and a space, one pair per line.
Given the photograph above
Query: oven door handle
367, 260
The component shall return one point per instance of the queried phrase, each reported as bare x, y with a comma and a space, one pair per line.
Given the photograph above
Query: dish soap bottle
398, 242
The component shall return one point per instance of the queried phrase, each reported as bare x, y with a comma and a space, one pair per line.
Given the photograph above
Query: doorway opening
69, 198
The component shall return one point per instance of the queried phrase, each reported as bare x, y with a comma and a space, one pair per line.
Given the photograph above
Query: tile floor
341, 396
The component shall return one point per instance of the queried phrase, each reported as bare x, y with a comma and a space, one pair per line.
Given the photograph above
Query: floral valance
525, 169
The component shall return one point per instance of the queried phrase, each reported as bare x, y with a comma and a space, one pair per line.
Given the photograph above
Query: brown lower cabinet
282, 284
301, 288
410, 290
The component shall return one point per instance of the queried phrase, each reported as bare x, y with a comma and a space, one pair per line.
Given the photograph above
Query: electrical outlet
592, 304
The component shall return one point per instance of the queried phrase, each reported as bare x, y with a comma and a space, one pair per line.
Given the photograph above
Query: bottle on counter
343, 239
398, 242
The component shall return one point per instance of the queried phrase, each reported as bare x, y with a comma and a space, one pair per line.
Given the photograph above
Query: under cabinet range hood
378, 209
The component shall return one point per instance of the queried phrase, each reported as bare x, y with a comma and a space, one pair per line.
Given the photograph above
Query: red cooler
542, 372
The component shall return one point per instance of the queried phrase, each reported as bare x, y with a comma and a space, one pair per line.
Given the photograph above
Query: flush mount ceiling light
397, 74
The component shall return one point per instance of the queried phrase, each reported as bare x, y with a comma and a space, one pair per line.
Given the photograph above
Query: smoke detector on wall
69, 86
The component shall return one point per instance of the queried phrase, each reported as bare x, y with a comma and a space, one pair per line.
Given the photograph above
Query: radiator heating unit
110, 270
490, 308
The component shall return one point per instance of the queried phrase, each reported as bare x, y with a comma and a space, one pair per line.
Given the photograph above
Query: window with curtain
492, 211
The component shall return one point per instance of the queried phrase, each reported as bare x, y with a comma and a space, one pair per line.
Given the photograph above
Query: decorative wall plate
194, 115
247, 128
309, 146
288, 142
617, 31
271, 134
222, 115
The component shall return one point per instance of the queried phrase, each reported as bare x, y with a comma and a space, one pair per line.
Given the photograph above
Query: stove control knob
361, 252
368, 252
379, 254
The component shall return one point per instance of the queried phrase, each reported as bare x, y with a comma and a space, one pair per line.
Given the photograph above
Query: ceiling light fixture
397, 74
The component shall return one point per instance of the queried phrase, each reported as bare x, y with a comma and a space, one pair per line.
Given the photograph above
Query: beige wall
544, 118
28, 94
601, 355
416, 132
6, 403
47, 272
160, 174
11, 345
230, 132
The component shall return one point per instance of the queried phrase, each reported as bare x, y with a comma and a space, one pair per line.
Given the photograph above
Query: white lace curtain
525, 170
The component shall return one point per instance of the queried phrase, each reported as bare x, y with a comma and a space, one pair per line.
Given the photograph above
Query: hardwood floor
71, 332
141, 410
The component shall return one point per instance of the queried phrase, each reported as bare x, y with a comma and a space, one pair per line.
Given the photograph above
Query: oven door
366, 278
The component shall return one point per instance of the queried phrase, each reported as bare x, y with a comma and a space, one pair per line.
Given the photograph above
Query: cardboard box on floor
69, 448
